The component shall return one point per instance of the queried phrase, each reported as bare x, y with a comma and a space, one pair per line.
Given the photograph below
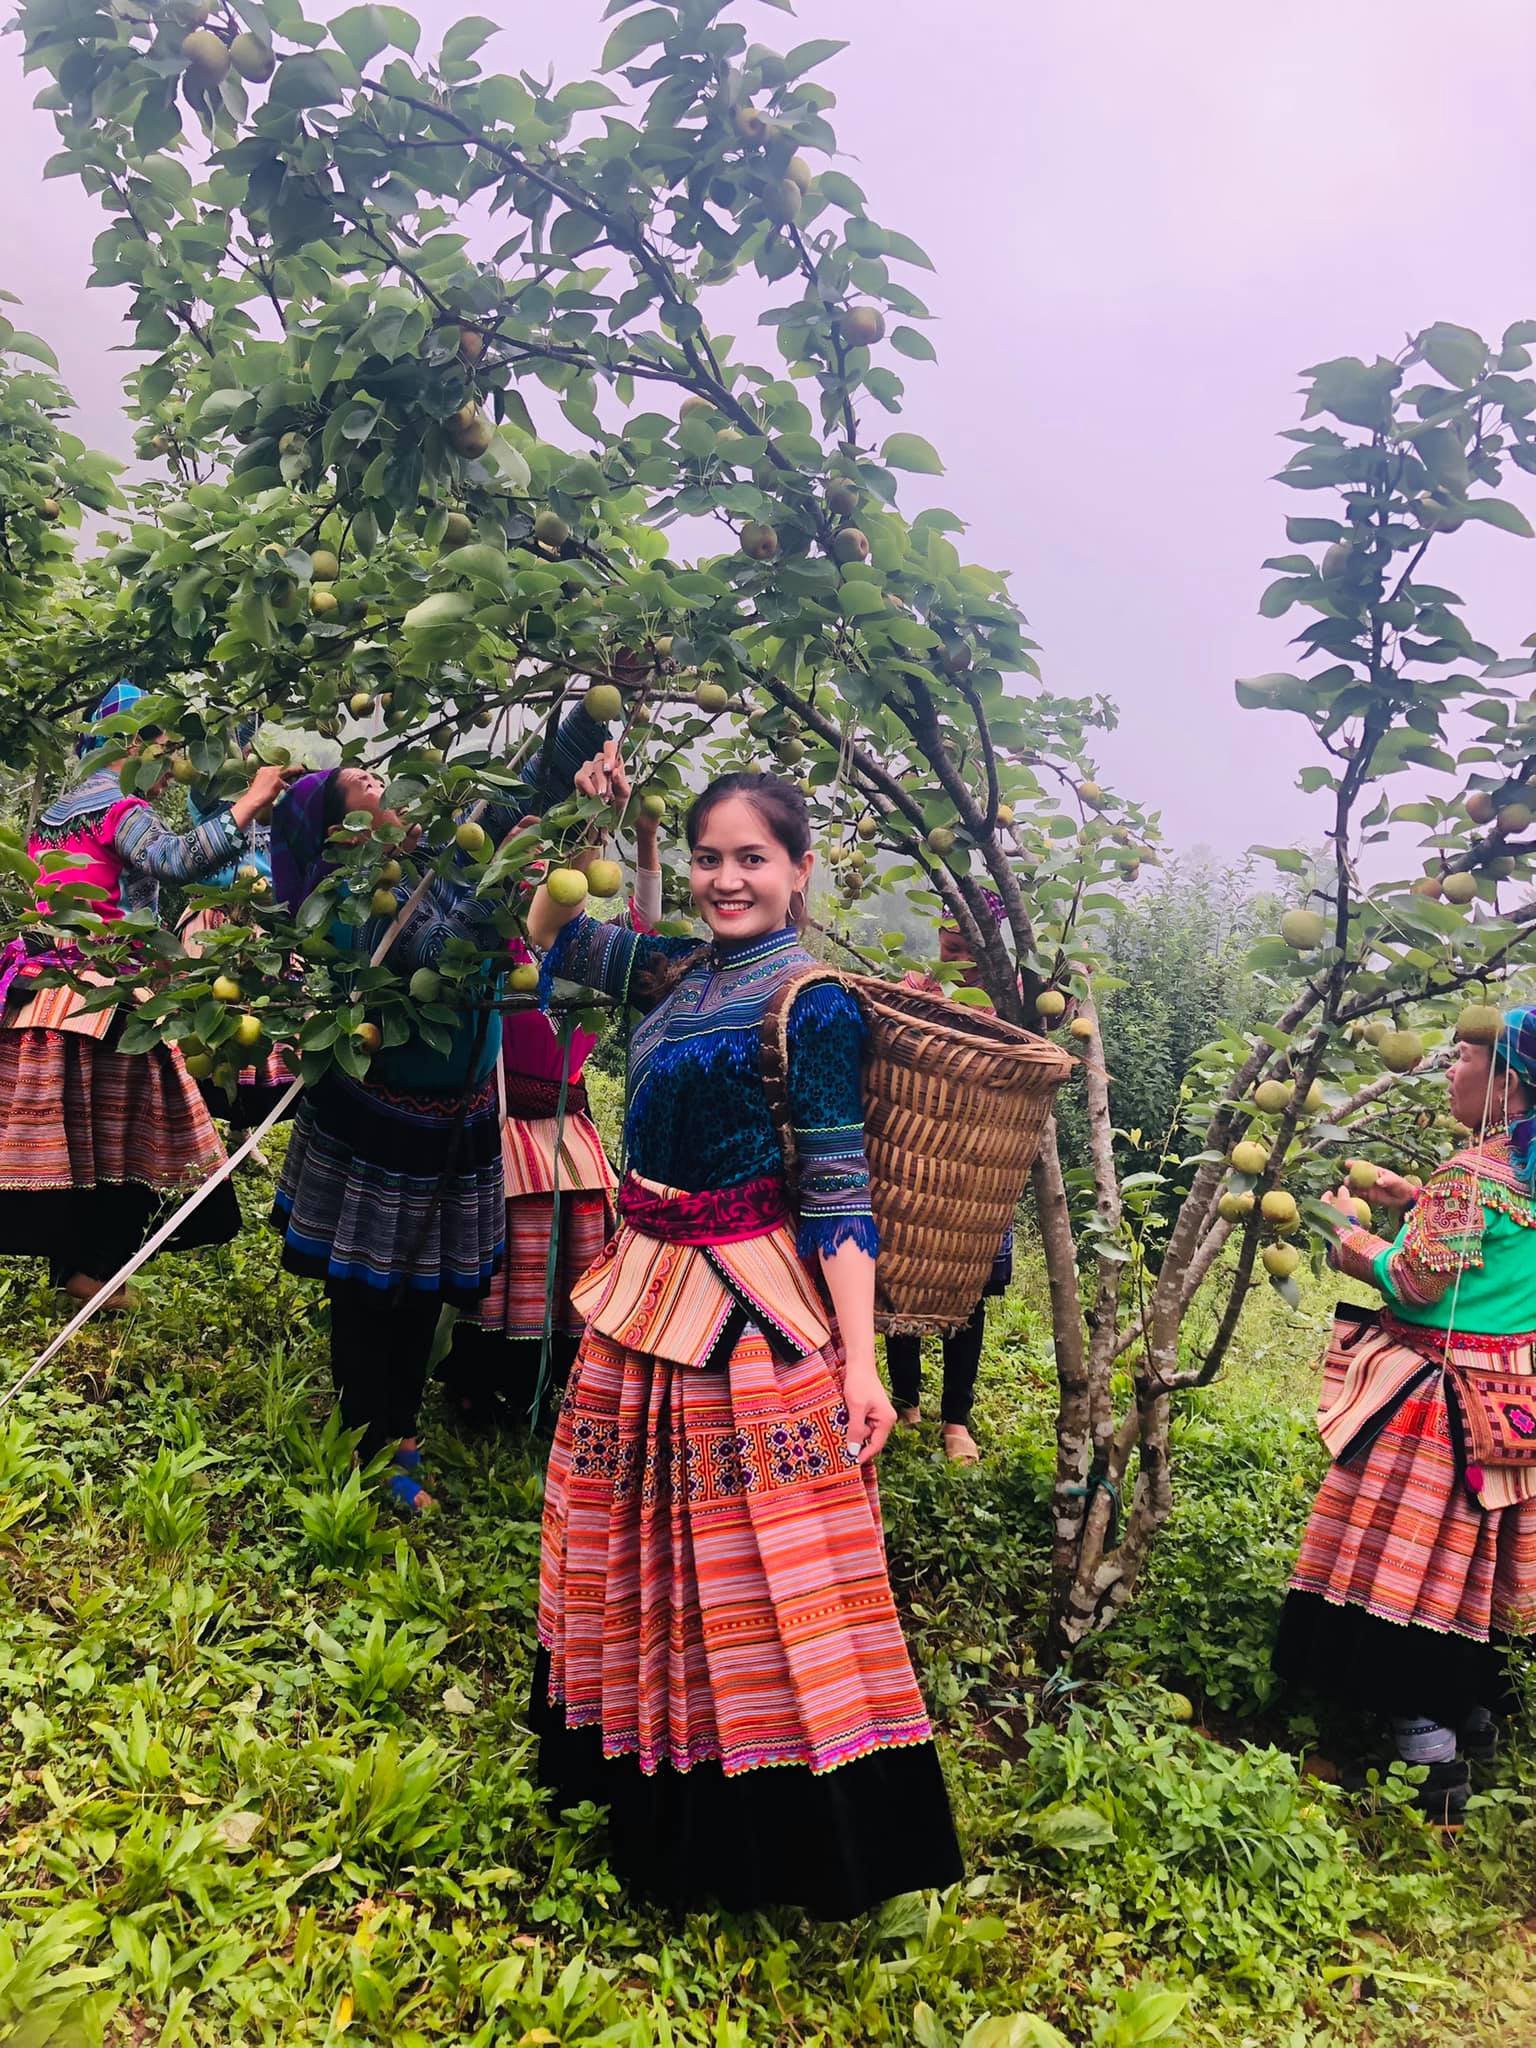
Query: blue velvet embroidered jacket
698, 1116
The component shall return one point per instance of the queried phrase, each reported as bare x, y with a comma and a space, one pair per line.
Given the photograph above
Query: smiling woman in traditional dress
721, 1663
92, 1140
1419, 1561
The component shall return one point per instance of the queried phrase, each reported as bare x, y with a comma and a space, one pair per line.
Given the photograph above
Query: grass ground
264, 1776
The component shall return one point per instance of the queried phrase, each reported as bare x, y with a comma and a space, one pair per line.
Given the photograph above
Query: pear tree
447, 432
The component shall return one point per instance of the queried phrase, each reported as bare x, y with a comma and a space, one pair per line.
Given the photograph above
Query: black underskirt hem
835, 1843
91, 1225
1345, 1654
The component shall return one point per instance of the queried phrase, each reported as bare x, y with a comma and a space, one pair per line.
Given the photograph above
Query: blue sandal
404, 1489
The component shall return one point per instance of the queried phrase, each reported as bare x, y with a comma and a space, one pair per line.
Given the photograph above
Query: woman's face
362, 790
1474, 1099
742, 877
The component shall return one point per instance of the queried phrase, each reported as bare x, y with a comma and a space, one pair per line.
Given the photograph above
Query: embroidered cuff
820, 1235
1356, 1251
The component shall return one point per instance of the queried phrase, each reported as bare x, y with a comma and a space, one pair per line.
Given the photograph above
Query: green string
546, 1347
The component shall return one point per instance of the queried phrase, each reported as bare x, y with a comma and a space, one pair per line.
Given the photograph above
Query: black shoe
1443, 1796
1480, 1745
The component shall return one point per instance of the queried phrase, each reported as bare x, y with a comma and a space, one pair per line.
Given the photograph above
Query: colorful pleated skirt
721, 1659
384, 1187
1406, 1587
516, 1303
94, 1143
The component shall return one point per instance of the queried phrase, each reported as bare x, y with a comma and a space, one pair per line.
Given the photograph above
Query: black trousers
381, 1340
962, 1361
491, 1377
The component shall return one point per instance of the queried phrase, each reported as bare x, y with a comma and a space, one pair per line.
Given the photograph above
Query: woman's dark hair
335, 799
778, 803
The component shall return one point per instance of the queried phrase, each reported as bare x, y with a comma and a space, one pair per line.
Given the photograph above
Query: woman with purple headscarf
392, 1191
1419, 1560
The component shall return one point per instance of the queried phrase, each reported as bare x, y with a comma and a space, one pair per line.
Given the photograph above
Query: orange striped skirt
1394, 1529
515, 1304
75, 1113
713, 1582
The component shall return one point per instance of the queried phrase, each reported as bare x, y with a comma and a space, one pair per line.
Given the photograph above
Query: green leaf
840, 191
467, 36
806, 56
911, 451
584, 96
442, 608
305, 81
1499, 512
1454, 353
651, 25
362, 32
1360, 394
33, 345
908, 342
860, 601
1070, 1829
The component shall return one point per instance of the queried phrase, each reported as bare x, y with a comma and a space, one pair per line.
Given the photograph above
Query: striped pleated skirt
722, 1662
515, 1305
94, 1143
1404, 1584
384, 1187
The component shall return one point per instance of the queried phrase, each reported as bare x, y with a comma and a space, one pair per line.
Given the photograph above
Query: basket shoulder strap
775, 1058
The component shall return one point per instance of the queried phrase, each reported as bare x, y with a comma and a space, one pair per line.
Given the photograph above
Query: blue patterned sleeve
826, 1103
613, 958
577, 739
150, 848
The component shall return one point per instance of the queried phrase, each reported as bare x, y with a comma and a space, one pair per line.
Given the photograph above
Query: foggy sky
1146, 220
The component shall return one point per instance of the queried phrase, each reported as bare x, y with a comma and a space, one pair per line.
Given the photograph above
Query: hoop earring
797, 917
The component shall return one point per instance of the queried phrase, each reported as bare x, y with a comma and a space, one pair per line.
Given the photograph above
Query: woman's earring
797, 898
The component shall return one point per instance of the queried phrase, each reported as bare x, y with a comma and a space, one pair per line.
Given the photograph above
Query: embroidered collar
1487, 1159
97, 792
753, 952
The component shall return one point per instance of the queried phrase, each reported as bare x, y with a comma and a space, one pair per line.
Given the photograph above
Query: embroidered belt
532, 1098
752, 1208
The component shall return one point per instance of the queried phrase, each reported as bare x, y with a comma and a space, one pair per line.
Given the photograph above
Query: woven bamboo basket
955, 1105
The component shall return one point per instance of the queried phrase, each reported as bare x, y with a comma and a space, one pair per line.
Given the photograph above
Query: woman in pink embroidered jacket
1419, 1562
93, 1140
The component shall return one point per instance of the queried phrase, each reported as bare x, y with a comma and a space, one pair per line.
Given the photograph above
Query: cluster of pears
1400, 1051
1051, 1007
1509, 810
760, 540
470, 433
208, 59
851, 862
1277, 1206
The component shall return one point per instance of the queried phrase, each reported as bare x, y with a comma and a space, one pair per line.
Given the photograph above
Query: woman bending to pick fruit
392, 1190
713, 1593
548, 1142
93, 1140
1420, 1556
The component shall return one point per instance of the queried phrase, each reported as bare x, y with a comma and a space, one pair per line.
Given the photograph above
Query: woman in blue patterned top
713, 1593
392, 1189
